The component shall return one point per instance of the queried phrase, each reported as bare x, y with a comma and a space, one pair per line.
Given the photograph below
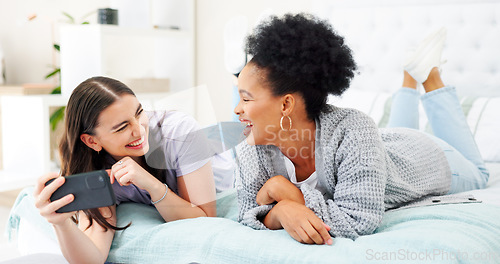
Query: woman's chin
250, 139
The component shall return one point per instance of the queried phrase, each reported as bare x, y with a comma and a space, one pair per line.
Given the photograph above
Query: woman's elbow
209, 209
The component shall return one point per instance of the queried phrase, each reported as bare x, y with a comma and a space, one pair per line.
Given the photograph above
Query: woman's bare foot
408, 81
434, 81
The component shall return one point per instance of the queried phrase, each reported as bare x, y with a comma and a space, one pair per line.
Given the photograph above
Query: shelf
113, 30
26, 89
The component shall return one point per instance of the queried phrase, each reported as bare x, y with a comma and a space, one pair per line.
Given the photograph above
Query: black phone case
91, 190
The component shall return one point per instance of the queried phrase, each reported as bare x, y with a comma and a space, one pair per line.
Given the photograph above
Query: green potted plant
58, 115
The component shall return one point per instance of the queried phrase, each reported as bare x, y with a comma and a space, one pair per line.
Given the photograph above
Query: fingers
303, 224
46, 208
118, 170
322, 230
124, 176
305, 232
296, 236
302, 236
309, 235
40, 183
314, 235
121, 177
111, 179
56, 205
125, 179
313, 232
44, 195
127, 171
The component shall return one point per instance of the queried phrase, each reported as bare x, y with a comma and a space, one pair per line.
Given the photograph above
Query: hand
300, 222
279, 188
126, 171
47, 208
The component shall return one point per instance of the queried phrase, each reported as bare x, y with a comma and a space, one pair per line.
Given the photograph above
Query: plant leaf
85, 23
56, 71
56, 117
57, 47
71, 19
56, 90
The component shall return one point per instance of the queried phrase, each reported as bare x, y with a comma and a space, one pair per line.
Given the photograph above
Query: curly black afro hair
301, 53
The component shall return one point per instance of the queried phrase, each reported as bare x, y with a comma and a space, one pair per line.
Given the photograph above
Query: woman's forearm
173, 207
76, 246
196, 196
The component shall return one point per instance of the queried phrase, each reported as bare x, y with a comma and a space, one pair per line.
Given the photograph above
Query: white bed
448, 233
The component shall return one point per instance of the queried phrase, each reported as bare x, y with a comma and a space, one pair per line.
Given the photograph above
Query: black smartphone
91, 190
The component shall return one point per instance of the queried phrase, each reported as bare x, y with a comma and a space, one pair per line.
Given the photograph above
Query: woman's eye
245, 100
121, 128
139, 113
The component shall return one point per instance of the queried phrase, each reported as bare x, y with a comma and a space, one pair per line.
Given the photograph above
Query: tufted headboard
380, 33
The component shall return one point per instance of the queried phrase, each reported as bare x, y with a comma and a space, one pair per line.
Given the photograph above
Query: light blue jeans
451, 133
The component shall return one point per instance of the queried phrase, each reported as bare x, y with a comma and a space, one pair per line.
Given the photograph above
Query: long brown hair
85, 105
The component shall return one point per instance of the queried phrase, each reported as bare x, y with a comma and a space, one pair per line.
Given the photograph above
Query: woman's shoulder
339, 117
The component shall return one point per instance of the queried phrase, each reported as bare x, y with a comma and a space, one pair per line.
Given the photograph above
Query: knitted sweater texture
366, 171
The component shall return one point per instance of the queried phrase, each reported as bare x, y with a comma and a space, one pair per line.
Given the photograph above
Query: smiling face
258, 107
122, 129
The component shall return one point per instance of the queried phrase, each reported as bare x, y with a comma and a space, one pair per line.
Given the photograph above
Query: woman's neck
298, 144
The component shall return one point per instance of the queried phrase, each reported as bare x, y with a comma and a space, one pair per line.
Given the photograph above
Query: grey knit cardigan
366, 171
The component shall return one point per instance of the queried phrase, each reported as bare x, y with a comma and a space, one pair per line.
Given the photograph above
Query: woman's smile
248, 127
136, 144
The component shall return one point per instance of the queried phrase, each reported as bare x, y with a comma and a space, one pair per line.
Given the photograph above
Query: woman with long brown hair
152, 158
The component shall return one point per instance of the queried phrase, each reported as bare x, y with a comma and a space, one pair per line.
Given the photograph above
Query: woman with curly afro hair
320, 171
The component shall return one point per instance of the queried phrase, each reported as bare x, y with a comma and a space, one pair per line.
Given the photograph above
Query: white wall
27, 46
211, 18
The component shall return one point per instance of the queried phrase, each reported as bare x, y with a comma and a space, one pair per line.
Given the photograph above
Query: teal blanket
452, 233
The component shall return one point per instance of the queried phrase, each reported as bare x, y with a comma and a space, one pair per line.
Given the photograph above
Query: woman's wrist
272, 219
67, 224
163, 197
158, 191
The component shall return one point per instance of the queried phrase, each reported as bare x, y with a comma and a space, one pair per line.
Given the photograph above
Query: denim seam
445, 89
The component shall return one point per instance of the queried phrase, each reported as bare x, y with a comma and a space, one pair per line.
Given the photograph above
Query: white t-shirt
180, 145
312, 180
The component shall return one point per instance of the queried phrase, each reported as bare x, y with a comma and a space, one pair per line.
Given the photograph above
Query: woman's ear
288, 104
90, 141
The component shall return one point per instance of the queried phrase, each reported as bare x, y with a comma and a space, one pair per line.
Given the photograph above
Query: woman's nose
238, 109
136, 129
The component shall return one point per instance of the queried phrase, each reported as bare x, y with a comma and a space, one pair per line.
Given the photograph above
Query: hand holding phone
90, 190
